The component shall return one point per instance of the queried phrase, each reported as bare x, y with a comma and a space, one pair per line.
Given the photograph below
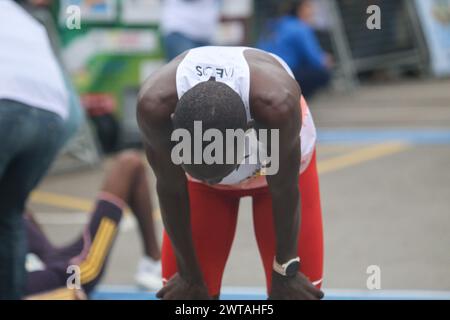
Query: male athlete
233, 88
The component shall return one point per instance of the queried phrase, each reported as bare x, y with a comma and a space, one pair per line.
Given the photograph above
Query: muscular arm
275, 105
286, 198
174, 203
157, 102
284, 184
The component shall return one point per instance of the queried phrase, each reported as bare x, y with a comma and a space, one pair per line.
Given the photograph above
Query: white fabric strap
281, 268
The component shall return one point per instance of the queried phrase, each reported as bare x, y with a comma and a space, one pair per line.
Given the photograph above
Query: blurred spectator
41, 10
322, 24
33, 107
292, 38
186, 24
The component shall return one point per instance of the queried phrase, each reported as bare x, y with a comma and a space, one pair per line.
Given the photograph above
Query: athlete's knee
130, 160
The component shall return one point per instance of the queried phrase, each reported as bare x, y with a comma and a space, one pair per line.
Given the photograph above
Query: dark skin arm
157, 102
274, 101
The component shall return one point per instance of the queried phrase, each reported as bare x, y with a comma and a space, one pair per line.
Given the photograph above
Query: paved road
385, 203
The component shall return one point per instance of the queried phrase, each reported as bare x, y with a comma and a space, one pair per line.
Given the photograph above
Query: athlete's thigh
310, 245
213, 220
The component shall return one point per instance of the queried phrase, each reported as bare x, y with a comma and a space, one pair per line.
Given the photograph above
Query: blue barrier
239, 293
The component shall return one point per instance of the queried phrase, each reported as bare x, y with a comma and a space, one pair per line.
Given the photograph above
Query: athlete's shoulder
270, 82
261, 60
274, 93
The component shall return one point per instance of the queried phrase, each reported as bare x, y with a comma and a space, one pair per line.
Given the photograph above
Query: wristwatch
288, 269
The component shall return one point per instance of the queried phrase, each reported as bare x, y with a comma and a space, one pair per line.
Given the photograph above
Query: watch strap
281, 268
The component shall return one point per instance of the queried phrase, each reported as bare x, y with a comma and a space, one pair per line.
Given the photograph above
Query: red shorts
214, 216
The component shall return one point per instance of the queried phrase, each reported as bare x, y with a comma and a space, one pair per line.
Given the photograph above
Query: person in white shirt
34, 105
187, 24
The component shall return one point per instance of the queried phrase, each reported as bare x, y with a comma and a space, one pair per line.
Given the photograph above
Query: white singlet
29, 72
228, 65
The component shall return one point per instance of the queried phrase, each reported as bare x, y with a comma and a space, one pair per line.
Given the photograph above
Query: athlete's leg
142, 207
310, 244
148, 274
30, 141
127, 180
37, 241
116, 187
53, 276
213, 219
91, 251
124, 180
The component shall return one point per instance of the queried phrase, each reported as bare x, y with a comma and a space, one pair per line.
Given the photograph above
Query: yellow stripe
97, 266
95, 261
61, 201
93, 256
65, 296
64, 201
99, 235
96, 246
94, 272
360, 156
330, 149
98, 257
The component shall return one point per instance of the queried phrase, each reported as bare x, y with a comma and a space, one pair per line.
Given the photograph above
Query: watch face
292, 268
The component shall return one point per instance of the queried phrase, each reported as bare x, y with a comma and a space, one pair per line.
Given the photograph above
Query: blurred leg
115, 193
38, 134
37, 242
117, 189
54, 276
127, 179
12, 253
98, 240
142, 207
90, 252
11, 231
125, 183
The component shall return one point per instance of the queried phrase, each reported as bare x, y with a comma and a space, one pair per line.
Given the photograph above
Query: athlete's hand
295, 288
179, 289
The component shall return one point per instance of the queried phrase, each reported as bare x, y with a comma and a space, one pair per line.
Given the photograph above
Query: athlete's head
302, 9
216, 106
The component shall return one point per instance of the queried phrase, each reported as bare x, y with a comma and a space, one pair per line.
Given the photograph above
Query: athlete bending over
233, 88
